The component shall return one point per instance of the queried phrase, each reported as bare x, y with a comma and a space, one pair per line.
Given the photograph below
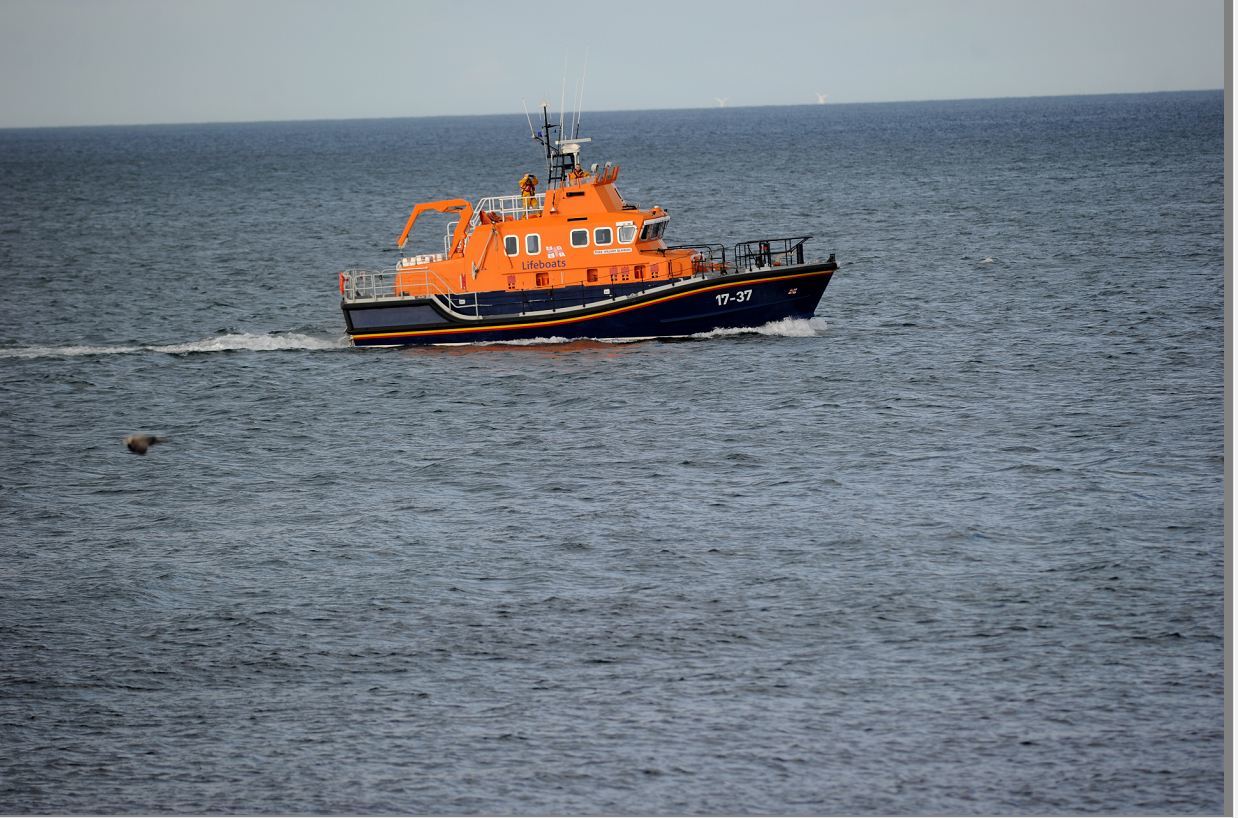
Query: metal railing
371, 285
765, 253
451, 231
759, 254
506, 207
706, 258
375, 285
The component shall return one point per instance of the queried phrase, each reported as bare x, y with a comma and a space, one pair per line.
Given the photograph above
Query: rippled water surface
953, 546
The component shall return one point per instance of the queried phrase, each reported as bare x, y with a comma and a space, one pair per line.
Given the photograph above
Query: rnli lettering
612, 250
542, 265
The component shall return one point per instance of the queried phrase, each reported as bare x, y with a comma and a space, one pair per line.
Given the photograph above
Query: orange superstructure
580, 232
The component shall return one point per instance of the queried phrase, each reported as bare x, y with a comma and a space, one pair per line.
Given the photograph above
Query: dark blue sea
953, 546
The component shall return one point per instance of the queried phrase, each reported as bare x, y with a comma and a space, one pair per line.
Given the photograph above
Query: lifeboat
575, 260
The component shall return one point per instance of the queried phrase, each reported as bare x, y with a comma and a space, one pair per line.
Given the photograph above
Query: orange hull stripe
576, 319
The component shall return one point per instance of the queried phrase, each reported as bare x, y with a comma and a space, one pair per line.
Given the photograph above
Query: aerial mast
562, 154
549, 141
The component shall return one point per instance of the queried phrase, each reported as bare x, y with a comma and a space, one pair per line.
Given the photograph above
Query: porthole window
626, 233
580, 238
602, 236
533, 244
511, 245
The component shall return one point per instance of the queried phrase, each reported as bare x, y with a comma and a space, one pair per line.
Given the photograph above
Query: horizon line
598, 111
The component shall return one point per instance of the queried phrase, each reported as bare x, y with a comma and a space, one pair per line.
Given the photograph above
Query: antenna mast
532, 132
562, 154
580, 96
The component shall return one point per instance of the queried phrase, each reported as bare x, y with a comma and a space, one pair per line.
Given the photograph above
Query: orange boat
574, 261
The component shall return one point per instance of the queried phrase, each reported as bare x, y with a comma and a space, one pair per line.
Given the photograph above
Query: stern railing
393, 282
359, 286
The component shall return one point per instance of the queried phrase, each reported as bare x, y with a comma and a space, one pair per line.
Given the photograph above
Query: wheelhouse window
580, 238
603, 236
626, 233
533, 244
511, 245
653, 230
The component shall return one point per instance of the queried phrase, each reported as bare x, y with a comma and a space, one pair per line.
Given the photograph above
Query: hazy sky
70, 62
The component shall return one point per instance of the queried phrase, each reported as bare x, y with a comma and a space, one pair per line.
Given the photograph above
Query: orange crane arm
444, 206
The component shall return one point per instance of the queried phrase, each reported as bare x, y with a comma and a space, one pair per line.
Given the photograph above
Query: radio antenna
532, 132
563, 98
580, 95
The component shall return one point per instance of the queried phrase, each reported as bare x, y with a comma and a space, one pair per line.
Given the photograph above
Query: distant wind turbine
821, 98
722, 101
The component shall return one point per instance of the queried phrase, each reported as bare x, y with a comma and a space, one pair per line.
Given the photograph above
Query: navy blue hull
736, 301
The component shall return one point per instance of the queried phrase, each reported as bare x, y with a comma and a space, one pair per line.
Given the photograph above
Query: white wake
786, 328
232, 342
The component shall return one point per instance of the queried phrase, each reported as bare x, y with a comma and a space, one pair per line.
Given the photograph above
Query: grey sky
71, 62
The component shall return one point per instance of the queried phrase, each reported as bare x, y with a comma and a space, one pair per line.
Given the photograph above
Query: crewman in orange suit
528, 188
577, 174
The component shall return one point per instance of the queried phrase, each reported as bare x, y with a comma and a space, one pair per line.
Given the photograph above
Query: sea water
955, 545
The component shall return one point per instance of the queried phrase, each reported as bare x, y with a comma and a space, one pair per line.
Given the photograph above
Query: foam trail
232, 342
275, 342
786, 328
529, 342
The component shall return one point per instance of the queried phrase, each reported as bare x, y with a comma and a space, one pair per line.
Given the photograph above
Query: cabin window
543, 279
533, 244
627, 232
602, 236
580, 238
653, 230
511, 245
591, 275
